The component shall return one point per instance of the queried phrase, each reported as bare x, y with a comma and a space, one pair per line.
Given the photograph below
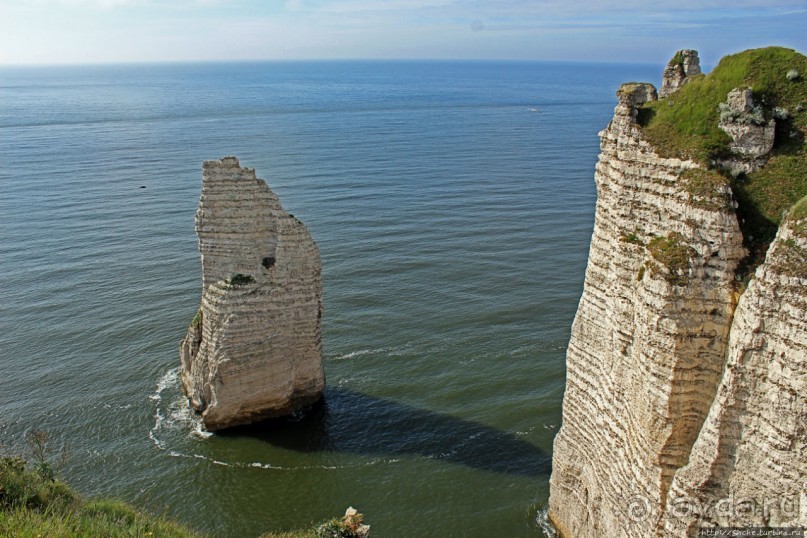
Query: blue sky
103, 31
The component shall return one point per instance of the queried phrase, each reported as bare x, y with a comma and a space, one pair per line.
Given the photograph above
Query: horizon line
311, 60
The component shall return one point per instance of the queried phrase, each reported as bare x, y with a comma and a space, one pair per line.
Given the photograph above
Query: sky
119, 31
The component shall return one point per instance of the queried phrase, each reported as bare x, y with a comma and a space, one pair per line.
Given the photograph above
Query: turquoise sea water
453, 205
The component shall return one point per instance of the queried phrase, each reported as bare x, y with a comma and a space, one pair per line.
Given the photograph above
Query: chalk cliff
253, 351
682, 390
748, 466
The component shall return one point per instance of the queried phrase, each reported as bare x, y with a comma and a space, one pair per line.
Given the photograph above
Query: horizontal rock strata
748, 466
648, 340
254, 349
685, 402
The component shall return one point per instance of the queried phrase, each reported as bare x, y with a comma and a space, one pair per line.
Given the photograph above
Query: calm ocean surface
452, 203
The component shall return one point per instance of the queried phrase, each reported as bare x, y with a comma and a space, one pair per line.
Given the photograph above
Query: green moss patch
707, 189
240, 279
632, 238
673, 255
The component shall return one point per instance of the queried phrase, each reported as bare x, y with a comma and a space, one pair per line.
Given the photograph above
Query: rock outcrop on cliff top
680, 70
254, 349
685, 394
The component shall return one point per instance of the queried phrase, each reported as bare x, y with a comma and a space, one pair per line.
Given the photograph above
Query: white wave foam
169, 379
381, 351
354, 354
542, 520
178, 415
110, 406
159, 444
271, 467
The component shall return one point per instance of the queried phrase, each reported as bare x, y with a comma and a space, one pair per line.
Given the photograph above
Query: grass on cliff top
799, 210
685, 125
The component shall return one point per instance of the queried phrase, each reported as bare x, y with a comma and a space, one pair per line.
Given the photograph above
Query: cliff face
748, 466
670, 396
254, 349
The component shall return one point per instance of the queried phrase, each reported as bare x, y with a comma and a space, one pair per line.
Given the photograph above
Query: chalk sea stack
686, 388
254, 349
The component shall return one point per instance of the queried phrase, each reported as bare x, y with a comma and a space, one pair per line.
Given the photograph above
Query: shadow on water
347, 421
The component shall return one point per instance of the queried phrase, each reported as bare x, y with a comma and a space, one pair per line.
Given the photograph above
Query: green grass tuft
799, 210
241, 280
632, 238
33, 505
797, 218
197, 319
674, 255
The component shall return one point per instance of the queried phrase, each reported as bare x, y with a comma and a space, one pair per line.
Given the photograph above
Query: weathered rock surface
751, 134
685, 400
680, 70
748, 466
649, 338
254, 349
633, 95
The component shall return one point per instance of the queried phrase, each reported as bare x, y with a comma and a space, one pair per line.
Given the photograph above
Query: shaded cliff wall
748, 466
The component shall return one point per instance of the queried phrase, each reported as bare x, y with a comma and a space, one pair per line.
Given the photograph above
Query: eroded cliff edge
685, 391
254, 350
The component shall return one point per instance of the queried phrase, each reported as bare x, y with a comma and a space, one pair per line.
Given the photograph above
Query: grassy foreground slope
685, 125
34, 504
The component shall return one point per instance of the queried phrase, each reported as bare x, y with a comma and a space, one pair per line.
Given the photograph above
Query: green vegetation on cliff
685, 125
33, 503
791, 258
799, 210
674, 255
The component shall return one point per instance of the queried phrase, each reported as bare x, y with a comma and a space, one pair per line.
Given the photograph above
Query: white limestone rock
679, 71
751, 134
648, 340
632, 96
254, 349
683, 396
748, 467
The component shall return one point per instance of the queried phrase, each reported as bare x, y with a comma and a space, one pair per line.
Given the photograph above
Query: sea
453, 204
